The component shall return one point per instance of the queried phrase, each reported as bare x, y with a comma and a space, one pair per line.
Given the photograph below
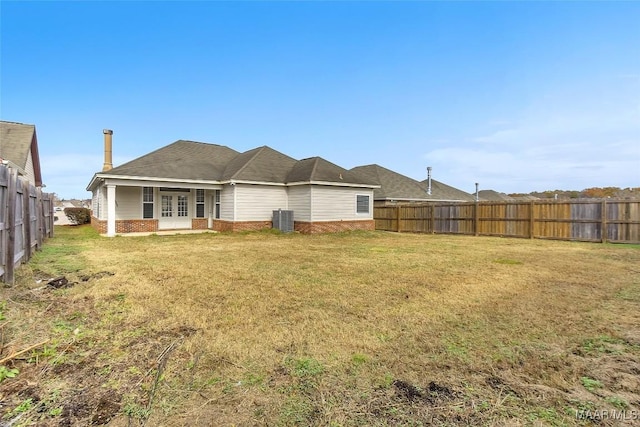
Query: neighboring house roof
18, 143
180, 160
443, 191
395, 186
317, 169
494, 196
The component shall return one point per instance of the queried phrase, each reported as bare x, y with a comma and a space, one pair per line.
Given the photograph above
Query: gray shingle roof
492, 195
395, 186
392, 184
319, 169
198, 160
15, 142
180, 160
442, 191
262, 164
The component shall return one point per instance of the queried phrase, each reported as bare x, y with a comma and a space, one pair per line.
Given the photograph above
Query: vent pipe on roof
108, 161
477, 194
429, 180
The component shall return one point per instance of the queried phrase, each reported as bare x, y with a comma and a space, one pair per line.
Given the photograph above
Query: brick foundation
199, 223
99, 225
136, 225
221, 225
151, 225
333, 226
127, 225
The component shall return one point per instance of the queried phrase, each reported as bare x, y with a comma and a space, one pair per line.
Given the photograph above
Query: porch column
111, 210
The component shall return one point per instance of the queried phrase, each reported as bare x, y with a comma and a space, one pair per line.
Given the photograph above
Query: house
494, 196
200, 186
397, 189
19, 149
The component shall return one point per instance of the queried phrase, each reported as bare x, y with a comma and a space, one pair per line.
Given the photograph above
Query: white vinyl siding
96, 203
300, 202
257, 202
338, 203
226, 203
29, 169
128, 204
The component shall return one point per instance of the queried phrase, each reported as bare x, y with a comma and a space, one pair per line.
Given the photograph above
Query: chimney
108, 162
429, 180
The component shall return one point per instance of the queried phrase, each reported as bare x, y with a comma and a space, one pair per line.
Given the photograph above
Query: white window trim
196, 203
368, 196
153, 202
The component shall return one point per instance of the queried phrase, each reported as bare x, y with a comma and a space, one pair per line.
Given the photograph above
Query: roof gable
262, 164
180, 160
17, 141
319, 169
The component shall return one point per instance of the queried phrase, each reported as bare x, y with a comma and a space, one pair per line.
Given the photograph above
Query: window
362, 204
199, 203
216, 198
167, 206
147, 202
183, 206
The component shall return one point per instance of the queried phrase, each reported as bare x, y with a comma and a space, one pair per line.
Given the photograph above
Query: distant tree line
587, 193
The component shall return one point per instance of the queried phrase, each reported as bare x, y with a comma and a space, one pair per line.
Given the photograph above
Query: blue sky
517, 96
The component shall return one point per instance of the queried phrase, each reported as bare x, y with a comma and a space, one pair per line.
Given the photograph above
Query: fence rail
590, 221
26, 220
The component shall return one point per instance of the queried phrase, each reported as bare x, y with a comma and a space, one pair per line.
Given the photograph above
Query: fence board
580, 220
26, 220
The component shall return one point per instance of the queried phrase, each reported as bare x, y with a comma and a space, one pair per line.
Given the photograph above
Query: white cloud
575, 138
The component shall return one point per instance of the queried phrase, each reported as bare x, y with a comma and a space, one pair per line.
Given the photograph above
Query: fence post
476, 219
39, 219
531, 207
398, 218
26, 220
433, 218
11, 227
603, 230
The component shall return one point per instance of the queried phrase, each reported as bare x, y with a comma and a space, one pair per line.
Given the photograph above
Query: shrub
78, 216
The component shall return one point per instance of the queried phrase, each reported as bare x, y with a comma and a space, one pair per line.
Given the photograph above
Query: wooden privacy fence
26, 220
589, 221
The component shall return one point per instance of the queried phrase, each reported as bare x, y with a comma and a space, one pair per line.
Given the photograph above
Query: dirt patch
95, 276
429, 394
107, 407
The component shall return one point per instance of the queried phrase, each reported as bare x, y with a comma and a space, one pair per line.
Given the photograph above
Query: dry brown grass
346, 329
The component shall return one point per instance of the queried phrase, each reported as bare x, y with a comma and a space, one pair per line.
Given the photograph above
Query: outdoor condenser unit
283, 220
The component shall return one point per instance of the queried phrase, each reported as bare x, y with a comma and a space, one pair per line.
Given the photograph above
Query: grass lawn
354, 329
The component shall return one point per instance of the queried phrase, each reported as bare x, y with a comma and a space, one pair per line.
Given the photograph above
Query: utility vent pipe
429, 180
477, 194
108, 160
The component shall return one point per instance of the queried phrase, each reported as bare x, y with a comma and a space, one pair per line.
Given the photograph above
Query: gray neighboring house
19, 149
200, 186
494, 196
398, 189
